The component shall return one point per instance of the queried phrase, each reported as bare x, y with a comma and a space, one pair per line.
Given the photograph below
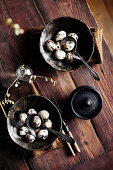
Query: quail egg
42, 134
44, 114
30, 138
48, 123
60, 35
51, 45
69, 57
58, 45
60, 54
36, 122
23, 117
69, 45
74, 35
23, 131
32, 111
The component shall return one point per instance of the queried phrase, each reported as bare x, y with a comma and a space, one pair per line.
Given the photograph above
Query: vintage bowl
86, 102
38, 103
85, 43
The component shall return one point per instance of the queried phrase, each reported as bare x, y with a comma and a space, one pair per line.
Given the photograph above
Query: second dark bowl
38, 103
86, 102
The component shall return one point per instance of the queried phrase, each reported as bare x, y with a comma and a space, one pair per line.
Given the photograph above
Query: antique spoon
77, 56
62, 136
92, 72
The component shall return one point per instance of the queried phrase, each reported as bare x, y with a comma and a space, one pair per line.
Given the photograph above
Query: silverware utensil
94, 74
62, 136
68, 131
77, 56
69, 145
70, 134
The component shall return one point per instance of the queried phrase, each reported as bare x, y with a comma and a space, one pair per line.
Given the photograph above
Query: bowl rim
68, 17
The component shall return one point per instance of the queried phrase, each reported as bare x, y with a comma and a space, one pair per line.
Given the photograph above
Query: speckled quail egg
48, 123
69, 45
42, 134
51, 45
44, 114
36, 122
23, 131
69, 57
30, 138
74, 35
60, 35
60, 54
23, 117
32, 111
58, 45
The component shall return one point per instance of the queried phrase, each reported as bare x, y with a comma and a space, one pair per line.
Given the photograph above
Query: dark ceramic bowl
38, 103
85, 43
86, 102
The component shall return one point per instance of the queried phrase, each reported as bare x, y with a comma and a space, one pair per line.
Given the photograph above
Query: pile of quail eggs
64, 52
38, 125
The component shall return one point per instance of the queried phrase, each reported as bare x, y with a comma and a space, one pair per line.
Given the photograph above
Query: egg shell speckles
60, 35
60, 54
51, 45
43, 134
69, 45
23, 117
58, 45
36, 121
23, 131
44, 114
74, 35
32, 111
69, 57
48, 123
30, 138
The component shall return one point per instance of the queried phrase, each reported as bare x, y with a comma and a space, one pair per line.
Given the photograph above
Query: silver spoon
77, 56
92, 72
62, 136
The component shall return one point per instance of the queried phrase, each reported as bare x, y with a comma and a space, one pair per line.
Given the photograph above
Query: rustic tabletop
95, 137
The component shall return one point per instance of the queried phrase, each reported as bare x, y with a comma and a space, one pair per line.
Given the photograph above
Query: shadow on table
3, 121
28, 45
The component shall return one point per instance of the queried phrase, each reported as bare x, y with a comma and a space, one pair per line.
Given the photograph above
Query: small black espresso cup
86, 102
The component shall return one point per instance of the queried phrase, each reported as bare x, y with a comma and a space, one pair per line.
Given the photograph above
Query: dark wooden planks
62, 91
59, 12
65, 8
85, 134
109, 6
102, 163
10, 156
103, 13
10, 43
103, 123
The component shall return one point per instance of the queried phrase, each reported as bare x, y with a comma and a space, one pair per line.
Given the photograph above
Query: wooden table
95, 137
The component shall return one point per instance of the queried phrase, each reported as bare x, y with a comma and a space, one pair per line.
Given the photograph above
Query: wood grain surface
102, 163
103, 13
94, 137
